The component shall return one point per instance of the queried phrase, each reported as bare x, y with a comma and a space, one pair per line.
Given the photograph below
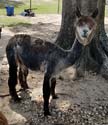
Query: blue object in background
10, 10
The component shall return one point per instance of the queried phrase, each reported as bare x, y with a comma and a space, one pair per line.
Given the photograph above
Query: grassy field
106, 11
12, 21
42, 7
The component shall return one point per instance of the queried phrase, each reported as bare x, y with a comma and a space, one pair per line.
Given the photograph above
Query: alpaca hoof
17, 99
55, 97
47, 113
25, 87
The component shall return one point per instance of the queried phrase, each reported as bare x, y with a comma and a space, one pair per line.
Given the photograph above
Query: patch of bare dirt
81, 102
44, 26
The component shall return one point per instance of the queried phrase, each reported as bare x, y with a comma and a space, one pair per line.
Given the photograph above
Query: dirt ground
81, 102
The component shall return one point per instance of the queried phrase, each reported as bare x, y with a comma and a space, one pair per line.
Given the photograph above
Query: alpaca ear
95, 13
78, 13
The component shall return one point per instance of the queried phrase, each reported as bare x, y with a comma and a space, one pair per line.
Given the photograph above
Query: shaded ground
81, 102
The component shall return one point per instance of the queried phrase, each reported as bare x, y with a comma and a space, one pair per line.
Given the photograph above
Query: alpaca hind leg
53, 85
23, 73
12, 82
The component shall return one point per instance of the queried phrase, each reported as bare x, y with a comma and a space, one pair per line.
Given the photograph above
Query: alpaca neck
74, 52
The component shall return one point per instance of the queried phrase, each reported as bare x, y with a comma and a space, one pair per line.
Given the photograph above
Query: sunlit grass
106, 10
42, 7
12, 21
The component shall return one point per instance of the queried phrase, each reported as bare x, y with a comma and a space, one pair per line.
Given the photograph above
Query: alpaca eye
90, 28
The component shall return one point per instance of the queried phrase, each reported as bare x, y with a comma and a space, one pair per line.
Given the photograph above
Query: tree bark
67, 35
95, 55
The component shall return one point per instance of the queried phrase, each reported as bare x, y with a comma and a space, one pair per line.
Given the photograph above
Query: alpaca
26, 52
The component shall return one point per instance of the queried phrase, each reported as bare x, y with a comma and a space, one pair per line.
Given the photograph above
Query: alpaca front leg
46, 94
53, 85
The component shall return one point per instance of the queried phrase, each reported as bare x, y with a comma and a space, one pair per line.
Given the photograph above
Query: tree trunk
67, 35
95, 55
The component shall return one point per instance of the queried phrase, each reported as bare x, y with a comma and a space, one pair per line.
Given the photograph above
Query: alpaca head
86, 27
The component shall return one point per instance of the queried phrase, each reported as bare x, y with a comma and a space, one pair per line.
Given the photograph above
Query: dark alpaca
25, 52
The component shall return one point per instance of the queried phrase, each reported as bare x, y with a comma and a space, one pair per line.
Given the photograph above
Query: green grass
42, 6
106, 11
46, 7
12, 21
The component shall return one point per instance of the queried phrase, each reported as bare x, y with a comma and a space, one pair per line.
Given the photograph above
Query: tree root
104, 69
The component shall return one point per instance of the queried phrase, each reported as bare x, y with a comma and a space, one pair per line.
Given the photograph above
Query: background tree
95, 55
